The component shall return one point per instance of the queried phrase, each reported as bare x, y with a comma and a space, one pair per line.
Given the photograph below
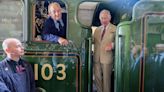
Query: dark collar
13, 63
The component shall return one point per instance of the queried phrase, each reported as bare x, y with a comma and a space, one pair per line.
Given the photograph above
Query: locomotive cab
58, 68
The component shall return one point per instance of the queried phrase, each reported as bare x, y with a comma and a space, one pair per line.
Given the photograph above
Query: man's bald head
7, 43
13, 47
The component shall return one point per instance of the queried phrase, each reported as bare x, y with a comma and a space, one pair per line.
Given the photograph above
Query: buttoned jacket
100, 54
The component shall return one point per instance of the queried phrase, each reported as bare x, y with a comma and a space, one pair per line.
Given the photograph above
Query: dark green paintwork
143, 71
76, 57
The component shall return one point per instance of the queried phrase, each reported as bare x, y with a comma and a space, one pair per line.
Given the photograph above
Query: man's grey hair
104, 11
53, 4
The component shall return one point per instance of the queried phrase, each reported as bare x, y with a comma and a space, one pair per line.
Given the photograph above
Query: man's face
55, 12
16, 49
105, 18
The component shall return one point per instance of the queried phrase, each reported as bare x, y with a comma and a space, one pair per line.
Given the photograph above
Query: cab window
40, 15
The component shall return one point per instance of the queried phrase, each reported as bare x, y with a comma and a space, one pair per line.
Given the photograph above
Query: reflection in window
41, 14
11, 22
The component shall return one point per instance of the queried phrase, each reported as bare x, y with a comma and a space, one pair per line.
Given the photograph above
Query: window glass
155, 41
11, 21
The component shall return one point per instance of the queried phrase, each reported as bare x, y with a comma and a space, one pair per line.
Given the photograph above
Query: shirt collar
61, 22
105, 26
13, 62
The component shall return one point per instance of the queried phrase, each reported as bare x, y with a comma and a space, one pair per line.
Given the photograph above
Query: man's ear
7, 50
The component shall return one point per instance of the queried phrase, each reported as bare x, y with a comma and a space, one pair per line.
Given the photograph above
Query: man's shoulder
49, 20
2, 62
99, 28
25, 62
3, 65
112, 27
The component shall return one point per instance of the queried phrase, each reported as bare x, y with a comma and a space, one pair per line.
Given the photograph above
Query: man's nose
57, 13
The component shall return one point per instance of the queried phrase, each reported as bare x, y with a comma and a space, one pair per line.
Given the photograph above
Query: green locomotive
139, 51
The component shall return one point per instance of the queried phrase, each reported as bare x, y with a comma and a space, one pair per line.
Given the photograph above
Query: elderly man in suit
54, 29
103, 55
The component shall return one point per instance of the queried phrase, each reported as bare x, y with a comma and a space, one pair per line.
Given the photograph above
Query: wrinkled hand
63, 41
109, 47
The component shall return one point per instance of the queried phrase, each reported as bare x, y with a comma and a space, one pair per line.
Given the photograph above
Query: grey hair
104, 11
53, 4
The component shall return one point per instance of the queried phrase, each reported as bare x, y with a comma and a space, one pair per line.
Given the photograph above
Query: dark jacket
49, 28
11, 81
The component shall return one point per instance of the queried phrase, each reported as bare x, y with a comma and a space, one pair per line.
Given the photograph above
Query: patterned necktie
103, 32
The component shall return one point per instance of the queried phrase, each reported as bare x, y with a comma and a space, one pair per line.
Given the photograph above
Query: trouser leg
98, 76
107, 71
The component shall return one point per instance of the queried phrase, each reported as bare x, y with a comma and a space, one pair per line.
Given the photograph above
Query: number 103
61, 72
